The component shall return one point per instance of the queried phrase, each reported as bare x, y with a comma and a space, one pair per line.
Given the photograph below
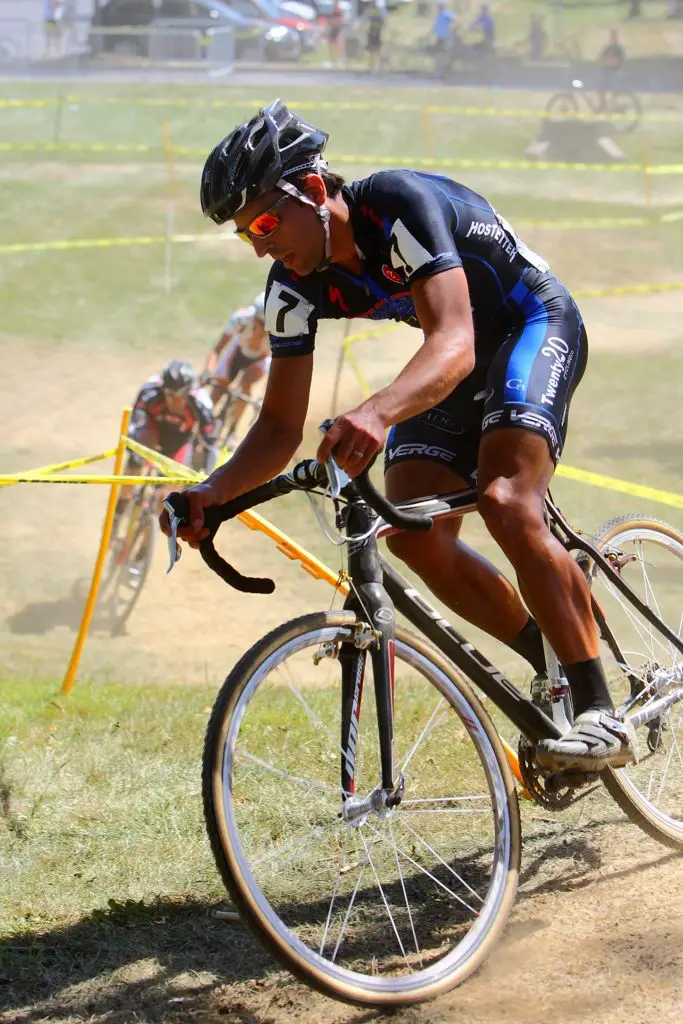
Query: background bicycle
623, 107
131, 550
371, 834
235, 412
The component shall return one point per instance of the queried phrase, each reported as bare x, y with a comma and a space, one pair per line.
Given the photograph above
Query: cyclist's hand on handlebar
199, 497
353, 439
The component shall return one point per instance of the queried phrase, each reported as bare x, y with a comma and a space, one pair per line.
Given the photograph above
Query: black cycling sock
529, 643
588, 685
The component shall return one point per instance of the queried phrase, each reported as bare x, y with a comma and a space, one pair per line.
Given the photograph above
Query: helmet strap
323, 215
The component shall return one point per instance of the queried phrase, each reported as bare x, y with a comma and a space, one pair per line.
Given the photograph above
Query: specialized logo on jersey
407, 254
287, 312
336, 297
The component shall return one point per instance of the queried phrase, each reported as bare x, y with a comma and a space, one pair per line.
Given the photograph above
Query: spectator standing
537, 37
375, 22
336, 23
486, 23
610, 62
441, 29
70, 23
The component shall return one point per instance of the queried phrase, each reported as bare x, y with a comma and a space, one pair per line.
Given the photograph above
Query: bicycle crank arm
656, 708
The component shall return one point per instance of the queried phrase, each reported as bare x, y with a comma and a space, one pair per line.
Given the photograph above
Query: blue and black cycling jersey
409, 225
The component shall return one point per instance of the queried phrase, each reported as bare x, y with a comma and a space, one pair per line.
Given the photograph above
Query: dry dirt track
597, 934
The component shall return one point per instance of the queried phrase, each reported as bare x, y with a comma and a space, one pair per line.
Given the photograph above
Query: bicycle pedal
559, 781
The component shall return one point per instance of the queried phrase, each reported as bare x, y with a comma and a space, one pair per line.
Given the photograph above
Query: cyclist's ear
314, 188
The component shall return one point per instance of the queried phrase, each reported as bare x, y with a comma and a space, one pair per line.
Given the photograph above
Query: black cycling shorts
528, 383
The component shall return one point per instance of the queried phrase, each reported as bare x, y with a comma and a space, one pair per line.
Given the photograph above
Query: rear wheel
644, 669
562, 103
397, 905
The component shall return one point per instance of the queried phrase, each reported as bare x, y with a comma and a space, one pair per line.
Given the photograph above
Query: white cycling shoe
596, 740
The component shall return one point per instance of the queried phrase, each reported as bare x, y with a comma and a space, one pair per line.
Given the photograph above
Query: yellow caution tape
503, 165
490, 111
345, 158
588, 223
108, 243
62, 244
628, 289
612, 483
7, 479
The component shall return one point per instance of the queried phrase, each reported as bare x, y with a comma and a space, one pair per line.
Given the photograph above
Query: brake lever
174, 549
336, 476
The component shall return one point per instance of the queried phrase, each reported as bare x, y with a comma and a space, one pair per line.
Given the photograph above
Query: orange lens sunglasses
264, 224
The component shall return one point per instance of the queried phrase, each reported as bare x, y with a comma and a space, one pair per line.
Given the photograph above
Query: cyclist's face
298, 240
175, 402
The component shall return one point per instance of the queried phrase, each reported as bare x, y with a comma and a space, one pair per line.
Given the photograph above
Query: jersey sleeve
291, 316
419, 220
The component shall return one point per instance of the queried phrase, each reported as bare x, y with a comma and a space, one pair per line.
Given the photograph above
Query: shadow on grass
172, 962
39, 617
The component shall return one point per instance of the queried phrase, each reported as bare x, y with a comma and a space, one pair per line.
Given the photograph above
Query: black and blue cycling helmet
258, 156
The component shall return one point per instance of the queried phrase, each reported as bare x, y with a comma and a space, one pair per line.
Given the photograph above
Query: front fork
372, 606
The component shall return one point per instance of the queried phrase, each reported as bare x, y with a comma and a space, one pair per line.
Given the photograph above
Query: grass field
102, 851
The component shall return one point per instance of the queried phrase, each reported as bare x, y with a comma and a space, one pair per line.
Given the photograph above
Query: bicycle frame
378, 590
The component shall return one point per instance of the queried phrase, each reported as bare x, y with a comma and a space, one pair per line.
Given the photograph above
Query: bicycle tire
619, 783
633, 108
145, 534
219, 762
562, 103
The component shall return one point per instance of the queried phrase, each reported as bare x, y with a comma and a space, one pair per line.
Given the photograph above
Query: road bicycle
359, 800
622, 107
228, 407
131, 549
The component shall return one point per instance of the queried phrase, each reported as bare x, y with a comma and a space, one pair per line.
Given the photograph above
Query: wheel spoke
427, 873
431, 724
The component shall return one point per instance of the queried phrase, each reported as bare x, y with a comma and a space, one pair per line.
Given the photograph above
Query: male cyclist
172, 416
484, 398
242, 350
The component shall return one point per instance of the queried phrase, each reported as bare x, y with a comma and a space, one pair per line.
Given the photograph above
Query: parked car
253, 35
270, 10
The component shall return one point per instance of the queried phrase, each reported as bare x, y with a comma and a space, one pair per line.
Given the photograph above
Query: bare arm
442, 304
443, 308
215, 353
266, 449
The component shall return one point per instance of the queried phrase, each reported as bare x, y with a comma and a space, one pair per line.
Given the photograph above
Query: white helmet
259, 307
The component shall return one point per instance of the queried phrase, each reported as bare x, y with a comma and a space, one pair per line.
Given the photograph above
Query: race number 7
289, 302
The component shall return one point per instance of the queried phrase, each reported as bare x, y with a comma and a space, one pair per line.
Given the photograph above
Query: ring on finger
359, 453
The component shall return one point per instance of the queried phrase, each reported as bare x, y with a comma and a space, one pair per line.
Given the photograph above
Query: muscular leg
464, 580
515, 468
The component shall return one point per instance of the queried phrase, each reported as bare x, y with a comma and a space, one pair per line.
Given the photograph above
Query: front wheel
130, 556
391, 907
644, 669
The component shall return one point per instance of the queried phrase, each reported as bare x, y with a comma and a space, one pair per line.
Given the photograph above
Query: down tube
528, 718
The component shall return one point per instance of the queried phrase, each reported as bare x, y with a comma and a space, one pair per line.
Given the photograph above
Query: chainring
534, 780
